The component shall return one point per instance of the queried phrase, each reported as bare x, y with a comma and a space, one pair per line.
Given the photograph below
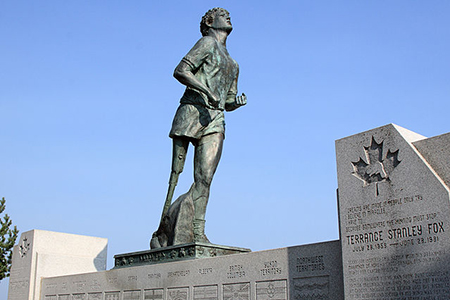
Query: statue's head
218, 18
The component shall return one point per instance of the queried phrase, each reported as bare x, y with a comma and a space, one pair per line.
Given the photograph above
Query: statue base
174, 253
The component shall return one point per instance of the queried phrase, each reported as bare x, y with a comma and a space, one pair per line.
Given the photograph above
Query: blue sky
87, 98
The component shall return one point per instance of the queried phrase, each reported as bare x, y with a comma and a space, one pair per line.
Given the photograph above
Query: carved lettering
310, 263
178, 273
154, 276
270, 268
236, 271
205, 271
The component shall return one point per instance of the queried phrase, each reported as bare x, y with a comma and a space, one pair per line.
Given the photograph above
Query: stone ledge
174, 253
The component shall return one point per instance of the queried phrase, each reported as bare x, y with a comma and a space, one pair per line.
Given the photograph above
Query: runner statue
210, 76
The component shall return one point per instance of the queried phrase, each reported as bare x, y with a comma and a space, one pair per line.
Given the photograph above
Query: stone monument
393, 195
394, 210
394, 214
42, 253
302, 272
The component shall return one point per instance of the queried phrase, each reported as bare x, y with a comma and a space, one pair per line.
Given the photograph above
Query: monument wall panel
42, 253
394, 217
256, 275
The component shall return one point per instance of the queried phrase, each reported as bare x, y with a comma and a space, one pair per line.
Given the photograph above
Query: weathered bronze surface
174, 253
210, 76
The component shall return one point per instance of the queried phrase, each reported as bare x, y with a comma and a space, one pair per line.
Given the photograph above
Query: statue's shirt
212, 65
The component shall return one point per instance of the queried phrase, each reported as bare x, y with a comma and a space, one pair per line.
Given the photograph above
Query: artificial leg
180, 147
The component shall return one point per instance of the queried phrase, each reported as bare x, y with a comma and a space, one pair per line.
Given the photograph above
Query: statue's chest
221, 64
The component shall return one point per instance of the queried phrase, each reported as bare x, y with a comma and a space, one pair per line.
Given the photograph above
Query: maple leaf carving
374, 168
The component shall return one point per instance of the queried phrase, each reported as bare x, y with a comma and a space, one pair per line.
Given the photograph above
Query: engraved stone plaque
79, 296
236, 291
178, 293
112, 295
208, 292
95, 296
313, 288
394, 215
131, 295
271, 290
154, 294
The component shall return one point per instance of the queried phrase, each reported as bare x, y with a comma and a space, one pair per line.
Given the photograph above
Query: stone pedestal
174, 253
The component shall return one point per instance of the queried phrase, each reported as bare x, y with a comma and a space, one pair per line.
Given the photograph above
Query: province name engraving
310, 264
205, 271
236, 271
178, 273
270, 268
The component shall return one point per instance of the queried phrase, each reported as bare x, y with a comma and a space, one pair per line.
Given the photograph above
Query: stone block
300, 272
194, 250
46, 254
394, 214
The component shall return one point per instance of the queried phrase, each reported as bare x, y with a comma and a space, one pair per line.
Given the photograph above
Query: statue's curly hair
208, 17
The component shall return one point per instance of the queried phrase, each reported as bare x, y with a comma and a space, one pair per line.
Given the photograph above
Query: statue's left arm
233, 101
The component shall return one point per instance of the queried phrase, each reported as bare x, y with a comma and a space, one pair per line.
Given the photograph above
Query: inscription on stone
406, 235
154, 276
205, 271
178, 293
236, 291
310, 264
63, 297
178, 273
271, 290
19, 284
425, 285
79, 284
270, 268
365, 234
207, 292
95, 285
51, 286
154, 294
394, 226
235, 271
64, 286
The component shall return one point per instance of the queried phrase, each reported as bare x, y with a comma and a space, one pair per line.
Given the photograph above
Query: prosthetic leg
179, 151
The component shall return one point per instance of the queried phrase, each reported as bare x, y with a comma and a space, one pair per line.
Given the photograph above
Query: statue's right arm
184, 74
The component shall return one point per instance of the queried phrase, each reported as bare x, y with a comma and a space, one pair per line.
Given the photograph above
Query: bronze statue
210, 76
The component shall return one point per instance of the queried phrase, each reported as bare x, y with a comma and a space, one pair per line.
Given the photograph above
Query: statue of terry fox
210, 76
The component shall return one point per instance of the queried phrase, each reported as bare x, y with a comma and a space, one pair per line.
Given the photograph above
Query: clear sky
87, 99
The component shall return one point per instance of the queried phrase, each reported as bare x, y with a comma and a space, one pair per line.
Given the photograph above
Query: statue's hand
213, 100
241, 100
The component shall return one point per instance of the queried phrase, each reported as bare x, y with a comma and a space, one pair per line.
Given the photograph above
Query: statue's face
222, 21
